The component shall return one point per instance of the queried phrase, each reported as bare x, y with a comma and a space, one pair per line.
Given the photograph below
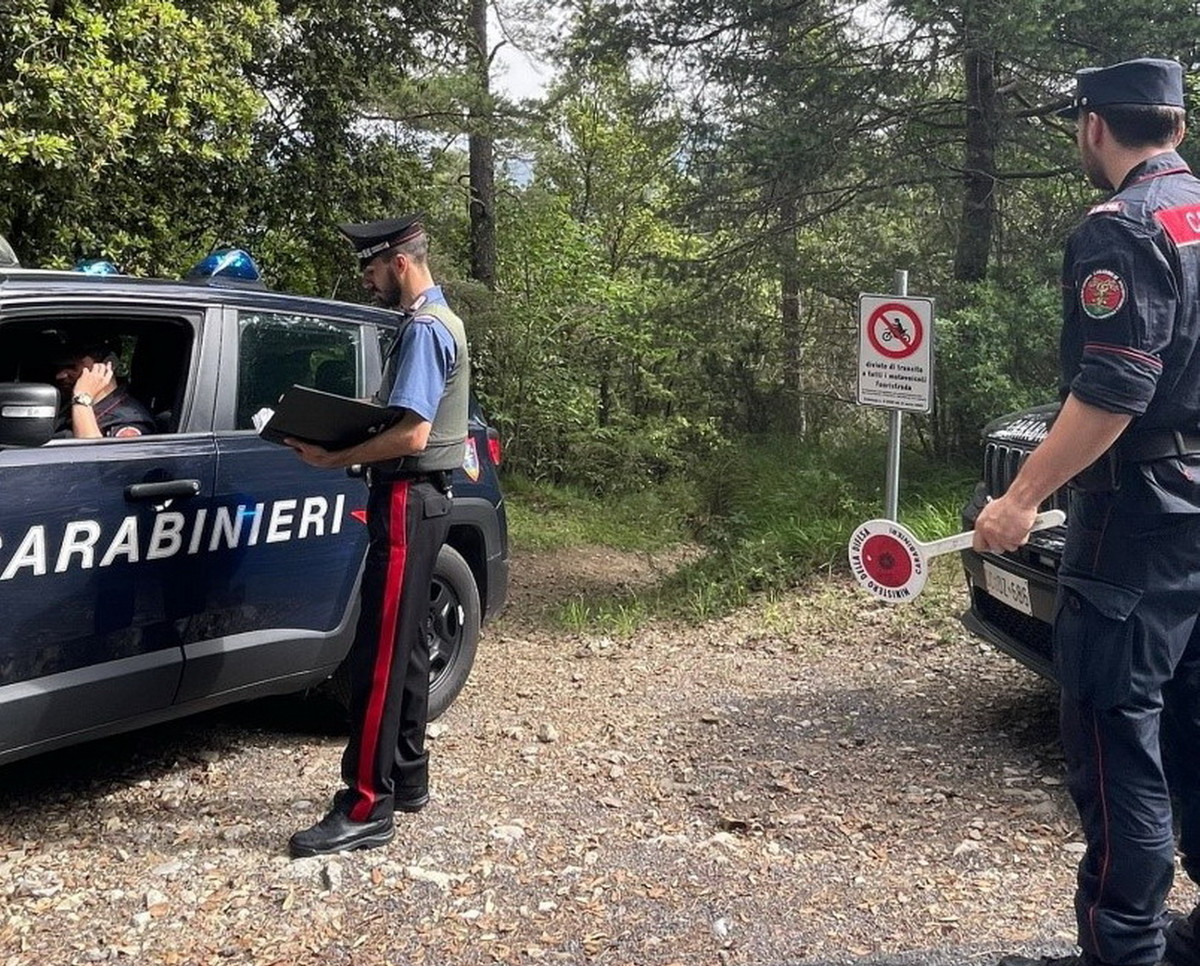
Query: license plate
1006, 587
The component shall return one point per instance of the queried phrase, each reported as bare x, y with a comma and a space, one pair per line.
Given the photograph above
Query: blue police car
150, 577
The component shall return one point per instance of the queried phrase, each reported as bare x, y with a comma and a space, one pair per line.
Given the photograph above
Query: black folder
326, 419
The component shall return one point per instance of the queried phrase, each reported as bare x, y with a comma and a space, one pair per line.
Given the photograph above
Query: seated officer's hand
94, 379
1003, 525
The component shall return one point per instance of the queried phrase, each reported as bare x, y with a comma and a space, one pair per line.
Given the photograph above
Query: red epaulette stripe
1183, 169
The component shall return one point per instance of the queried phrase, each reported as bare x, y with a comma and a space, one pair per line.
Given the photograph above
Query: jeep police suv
1012, 594
151, 577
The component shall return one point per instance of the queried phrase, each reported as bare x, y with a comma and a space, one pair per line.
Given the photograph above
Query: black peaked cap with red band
369, 238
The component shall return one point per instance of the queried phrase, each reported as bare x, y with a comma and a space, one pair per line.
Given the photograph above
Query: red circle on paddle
886, 560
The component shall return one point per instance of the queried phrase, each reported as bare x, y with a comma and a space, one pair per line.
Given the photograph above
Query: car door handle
158, 492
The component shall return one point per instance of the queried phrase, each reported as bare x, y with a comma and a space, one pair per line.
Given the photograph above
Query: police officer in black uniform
385, 766
1126, 635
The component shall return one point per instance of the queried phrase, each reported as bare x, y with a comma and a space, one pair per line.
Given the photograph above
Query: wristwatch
82, 399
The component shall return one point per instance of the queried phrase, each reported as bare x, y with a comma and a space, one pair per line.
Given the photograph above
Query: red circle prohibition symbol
896, 338
886, 560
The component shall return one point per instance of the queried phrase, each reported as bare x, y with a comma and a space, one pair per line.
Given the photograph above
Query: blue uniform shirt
424, 357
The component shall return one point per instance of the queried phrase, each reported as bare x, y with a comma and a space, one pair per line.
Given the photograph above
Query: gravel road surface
819, 778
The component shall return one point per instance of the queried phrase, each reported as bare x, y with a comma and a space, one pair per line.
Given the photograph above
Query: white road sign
895, 352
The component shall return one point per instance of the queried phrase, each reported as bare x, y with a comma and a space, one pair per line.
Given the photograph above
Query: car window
278, 350
151, 355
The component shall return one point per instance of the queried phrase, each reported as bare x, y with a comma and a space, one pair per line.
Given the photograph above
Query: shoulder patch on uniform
127, 431
1102, 294
1108, 207
425, 319
1182, 224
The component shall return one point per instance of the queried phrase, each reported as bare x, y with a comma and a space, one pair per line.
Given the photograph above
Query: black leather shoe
336, 833
413, 804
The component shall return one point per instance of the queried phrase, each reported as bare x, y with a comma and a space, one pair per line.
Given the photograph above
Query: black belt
439, 478
1158, 444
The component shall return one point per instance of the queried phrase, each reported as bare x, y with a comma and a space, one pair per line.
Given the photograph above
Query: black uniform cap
372, 237
1147, 80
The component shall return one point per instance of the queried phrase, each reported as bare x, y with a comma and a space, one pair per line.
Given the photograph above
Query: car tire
452, 628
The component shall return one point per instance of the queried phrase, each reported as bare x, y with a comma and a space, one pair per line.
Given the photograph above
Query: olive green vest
447, 437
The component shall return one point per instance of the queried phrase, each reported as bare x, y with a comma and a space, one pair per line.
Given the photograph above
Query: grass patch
619, 616
545, 517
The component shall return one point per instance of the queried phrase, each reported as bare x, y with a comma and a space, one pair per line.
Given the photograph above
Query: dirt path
814, 779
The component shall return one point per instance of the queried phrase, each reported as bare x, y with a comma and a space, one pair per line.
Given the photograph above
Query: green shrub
995, 354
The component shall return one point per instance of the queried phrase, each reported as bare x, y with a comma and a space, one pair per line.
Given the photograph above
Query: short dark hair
416, 248
1142, 125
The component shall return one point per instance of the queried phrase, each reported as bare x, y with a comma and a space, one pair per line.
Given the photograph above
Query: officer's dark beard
1094, 170
388, 294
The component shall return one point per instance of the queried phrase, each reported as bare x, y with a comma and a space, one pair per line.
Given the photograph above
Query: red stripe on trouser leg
1107, 857
384, 648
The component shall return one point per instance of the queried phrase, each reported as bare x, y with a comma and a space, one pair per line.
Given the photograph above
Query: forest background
658, 259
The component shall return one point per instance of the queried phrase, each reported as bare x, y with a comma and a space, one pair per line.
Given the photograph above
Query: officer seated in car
98, 404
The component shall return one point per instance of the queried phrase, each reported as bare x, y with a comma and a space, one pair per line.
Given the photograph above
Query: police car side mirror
28, 413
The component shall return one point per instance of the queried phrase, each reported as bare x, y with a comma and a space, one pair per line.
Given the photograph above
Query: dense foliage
679, 244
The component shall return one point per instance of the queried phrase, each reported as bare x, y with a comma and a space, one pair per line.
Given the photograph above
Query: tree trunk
482, 203
979, 179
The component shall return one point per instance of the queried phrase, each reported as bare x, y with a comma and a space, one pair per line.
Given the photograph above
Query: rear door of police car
102, 542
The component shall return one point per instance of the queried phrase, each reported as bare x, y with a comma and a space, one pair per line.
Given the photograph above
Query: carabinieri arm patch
1102, 294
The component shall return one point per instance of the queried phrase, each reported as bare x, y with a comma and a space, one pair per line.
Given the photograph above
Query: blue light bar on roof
95, 266
228, 263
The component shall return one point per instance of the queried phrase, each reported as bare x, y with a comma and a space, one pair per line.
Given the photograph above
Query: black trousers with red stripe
385, 758
1127, 654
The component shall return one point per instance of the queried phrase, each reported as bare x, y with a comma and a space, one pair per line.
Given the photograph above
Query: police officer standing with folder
385, 766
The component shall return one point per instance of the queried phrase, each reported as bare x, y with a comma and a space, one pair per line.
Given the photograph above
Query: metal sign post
891, 492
